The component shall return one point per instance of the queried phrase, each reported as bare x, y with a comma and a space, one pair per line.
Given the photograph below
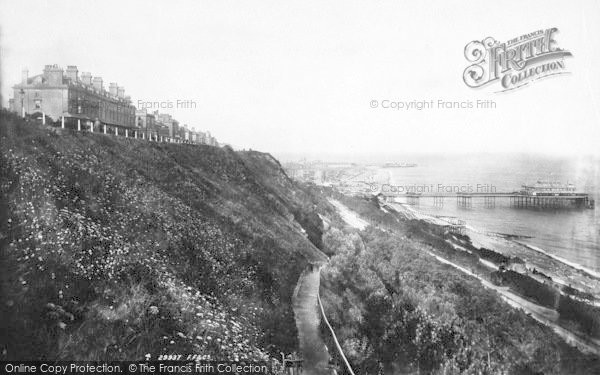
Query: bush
542, 294
588, 317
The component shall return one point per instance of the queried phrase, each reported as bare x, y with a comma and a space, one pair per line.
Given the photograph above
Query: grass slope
397, 310
115, 248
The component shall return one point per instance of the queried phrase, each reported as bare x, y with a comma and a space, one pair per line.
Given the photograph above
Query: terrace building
63, 95
171, 123
146, 122
210, 140
80, 101
186, 133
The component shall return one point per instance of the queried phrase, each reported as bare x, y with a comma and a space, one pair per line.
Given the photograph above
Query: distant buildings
80, 101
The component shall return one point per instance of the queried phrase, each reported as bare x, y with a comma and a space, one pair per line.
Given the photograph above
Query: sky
301, 77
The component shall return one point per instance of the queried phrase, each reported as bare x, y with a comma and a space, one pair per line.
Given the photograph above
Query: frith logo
516, 62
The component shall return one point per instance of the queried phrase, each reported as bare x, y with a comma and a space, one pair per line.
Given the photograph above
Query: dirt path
314, 352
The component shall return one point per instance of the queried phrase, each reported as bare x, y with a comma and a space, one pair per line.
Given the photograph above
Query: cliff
115, 248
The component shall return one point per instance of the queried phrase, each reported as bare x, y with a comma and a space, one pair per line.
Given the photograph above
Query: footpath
307, 314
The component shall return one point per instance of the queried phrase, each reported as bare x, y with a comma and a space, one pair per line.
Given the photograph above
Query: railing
117, 130
337, 344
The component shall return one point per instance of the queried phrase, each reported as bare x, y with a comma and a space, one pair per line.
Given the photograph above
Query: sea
563, 242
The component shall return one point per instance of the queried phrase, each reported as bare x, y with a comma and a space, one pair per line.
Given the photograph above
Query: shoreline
577, 266
562, 271
545, 315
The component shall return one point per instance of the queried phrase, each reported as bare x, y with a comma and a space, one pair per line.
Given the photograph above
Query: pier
516, 199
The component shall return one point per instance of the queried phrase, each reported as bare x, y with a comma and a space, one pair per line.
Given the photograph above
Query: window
38, 103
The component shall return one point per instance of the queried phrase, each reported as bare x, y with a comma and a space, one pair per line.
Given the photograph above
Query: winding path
313, 349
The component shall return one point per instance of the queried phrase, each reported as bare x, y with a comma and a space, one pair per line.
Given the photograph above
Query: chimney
53, 75
24, 76
113, 88
86, 78
97, 82
121, 92
72, 73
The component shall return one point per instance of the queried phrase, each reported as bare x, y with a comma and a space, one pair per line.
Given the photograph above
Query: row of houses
81, 101
157, 125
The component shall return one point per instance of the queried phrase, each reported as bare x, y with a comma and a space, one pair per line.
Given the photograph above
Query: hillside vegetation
397, 310
115, 248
